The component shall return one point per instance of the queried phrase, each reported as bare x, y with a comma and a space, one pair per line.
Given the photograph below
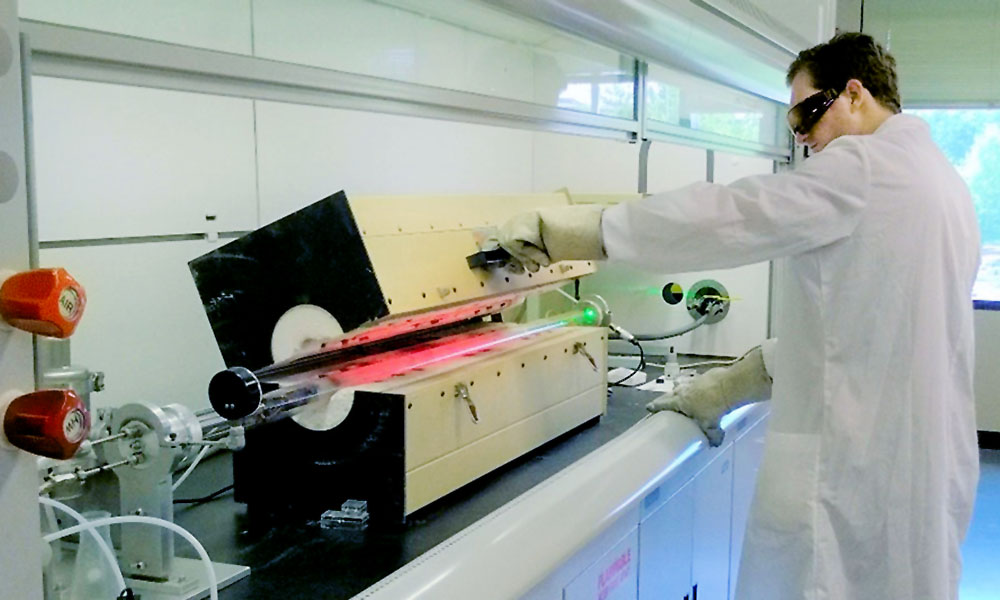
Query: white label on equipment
75, 425
69, 303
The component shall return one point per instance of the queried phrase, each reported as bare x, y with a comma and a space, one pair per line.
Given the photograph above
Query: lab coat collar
901, 121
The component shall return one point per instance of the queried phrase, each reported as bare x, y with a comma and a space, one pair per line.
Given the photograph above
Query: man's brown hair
850, 56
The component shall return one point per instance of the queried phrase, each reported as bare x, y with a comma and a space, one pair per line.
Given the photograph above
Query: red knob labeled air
43, 301
50, 423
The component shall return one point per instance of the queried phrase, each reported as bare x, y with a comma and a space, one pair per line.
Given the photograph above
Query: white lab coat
871, 461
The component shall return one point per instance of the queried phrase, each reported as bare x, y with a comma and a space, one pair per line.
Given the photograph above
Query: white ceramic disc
322, 415
301, 328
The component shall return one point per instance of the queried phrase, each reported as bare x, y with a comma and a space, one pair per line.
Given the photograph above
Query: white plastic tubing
500, 557
213, 583
103, 545
190, 469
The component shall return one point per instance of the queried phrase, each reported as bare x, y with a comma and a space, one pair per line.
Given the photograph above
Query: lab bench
292, 556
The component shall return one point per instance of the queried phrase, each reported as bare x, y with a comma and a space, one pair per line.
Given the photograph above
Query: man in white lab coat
870, 465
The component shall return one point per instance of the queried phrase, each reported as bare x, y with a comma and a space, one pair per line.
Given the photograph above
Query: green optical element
587, 316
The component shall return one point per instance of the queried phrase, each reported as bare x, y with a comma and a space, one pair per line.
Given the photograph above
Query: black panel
285, 467
989, 440
313, 256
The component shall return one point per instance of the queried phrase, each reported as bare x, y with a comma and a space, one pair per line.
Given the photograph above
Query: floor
981, 552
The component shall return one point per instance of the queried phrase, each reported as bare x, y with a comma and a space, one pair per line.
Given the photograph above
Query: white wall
635, 296
583, 165
849, 15
305, 153
117, 161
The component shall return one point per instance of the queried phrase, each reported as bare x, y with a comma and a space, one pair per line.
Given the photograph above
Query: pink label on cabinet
614, 574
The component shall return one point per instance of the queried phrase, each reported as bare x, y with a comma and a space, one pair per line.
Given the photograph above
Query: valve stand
141, 444
49, 422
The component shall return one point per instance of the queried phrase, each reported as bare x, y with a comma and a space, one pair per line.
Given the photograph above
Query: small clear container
353, 514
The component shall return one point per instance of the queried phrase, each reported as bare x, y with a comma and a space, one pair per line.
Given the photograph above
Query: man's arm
718, 391
707, 226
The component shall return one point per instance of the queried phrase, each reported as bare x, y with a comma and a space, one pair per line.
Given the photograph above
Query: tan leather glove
714, 393
547, 235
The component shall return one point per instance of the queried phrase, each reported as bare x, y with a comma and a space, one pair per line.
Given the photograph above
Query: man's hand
716, 392
541, 237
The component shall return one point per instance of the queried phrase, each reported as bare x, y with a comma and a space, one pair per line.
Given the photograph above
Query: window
612, 95
970, 138
681, 103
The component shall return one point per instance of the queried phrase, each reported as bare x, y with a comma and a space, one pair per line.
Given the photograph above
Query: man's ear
855, 92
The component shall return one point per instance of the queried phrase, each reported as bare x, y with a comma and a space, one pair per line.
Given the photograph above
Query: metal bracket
579, 348
462, 391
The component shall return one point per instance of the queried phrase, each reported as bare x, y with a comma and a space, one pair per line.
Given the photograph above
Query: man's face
834, 122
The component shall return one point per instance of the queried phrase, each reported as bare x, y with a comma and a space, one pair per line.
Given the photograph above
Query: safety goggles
803, 116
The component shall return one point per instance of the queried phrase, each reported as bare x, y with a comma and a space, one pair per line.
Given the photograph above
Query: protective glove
717, 391
547, 235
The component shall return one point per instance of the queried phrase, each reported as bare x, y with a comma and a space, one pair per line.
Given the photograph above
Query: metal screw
139, 566
139, 512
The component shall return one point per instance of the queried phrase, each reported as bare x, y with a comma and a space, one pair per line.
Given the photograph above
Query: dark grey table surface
292, 557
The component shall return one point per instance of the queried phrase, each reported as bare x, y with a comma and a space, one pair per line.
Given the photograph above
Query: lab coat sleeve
767, 350
712, 226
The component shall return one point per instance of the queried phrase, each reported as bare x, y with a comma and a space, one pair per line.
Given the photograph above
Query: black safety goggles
803, 116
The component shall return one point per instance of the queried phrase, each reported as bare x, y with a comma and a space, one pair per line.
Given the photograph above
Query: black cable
655, 337
638, 367
207, 498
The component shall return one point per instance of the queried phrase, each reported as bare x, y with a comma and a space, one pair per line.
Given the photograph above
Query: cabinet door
612, 577
747, 453
711, 540
665, 549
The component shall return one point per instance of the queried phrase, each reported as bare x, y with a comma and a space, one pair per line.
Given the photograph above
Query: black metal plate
313, 256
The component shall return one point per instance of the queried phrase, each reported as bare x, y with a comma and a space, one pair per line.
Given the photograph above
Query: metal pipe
111, 438
29, 179
240, 394
213, 427
29, 151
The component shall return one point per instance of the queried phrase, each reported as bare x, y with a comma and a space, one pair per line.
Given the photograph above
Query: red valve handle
43, 301
50, 423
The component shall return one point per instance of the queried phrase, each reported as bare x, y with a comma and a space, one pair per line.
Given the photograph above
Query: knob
235, 393
43, 301
51, 423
